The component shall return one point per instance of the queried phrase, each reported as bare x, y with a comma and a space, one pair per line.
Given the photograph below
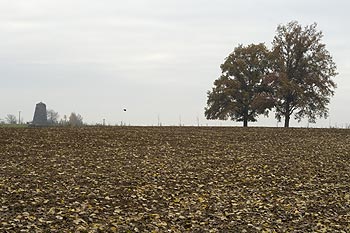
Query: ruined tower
40, 114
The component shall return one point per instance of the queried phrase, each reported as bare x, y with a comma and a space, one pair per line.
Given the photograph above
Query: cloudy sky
156, 58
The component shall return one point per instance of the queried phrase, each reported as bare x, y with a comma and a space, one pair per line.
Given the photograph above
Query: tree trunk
287, 114
245, 117
286, 121
245, 122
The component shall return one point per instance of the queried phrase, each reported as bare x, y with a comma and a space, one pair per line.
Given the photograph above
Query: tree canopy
239, 94
301, 73
52, 117
294, 77
11, 119
75, 119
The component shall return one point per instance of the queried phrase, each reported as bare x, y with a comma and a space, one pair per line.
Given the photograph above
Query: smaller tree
64, 120
75, 119
52, 117
11, 119
239, 93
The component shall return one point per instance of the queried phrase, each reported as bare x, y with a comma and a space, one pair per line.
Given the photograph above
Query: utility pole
19, 117
124, 123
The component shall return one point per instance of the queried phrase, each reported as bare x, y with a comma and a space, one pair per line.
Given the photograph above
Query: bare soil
174, 179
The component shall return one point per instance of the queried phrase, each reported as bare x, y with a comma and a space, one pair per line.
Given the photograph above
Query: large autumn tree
302, 73
239, 94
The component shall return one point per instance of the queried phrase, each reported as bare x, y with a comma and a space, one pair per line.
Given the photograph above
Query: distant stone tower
40, 114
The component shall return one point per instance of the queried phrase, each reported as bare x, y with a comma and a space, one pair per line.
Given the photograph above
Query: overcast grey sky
152, 57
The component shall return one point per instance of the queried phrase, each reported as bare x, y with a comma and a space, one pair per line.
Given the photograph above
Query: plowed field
174, 179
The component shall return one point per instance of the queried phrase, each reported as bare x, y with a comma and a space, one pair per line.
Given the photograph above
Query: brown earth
174, 179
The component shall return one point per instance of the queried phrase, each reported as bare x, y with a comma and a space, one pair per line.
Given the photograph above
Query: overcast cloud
153, 57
